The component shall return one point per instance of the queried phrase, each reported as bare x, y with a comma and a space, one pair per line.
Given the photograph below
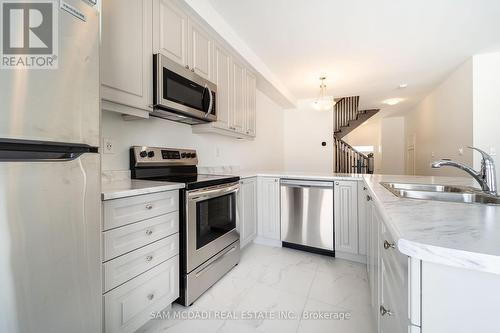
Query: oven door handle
213, 193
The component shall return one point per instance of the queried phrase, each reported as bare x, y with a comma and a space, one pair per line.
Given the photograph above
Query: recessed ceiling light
403, 85
392, 101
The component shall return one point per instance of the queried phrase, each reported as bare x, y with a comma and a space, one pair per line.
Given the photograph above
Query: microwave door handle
211, 102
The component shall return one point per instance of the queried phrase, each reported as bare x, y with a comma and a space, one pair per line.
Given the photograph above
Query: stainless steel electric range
210, 245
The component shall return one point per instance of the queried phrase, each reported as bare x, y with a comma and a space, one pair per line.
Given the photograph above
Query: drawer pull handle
368, 198
149, 206
149, 232
151, 296
388, 245
149, 258
384, 311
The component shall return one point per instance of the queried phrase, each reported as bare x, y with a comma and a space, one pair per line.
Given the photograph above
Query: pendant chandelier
323, 102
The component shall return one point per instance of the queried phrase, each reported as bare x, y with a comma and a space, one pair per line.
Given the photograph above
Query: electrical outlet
107, 146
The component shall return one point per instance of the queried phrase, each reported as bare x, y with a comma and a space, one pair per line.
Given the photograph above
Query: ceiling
364, 47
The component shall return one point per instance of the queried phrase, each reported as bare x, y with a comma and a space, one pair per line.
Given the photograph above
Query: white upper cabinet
134, 30
200, 51
251, 106
126, 54
170, 31
222, 78
238, 112
346, 216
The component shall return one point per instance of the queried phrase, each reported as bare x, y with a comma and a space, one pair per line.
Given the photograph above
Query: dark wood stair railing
349, 160
347, 117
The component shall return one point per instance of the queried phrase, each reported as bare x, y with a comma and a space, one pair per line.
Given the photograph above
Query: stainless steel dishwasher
307, 216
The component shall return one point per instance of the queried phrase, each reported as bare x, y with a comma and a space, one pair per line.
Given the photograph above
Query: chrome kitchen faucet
486, 177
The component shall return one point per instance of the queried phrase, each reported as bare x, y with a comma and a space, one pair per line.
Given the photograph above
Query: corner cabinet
269, 210
126, 57
247, 211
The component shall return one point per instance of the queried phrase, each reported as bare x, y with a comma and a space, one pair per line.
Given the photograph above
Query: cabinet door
126, 59
269, 208
346, 216
170, 31
374, 261
200, 50
247, 211
362, 226
237, 114
251, 107
222, 72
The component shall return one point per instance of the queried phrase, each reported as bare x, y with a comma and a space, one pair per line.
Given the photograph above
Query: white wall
442, 123
487, 106
304, 130
263, 153
392, 137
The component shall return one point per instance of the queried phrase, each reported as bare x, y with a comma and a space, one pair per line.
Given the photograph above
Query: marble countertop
456, 234
121, 188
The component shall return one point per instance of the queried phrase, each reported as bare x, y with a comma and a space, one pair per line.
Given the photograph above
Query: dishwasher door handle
299, 183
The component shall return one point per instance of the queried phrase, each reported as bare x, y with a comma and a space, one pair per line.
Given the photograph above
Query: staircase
348, 117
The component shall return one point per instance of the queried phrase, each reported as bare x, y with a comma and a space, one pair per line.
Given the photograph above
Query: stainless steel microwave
181, 95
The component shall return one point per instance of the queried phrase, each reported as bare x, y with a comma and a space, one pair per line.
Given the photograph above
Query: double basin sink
451, 193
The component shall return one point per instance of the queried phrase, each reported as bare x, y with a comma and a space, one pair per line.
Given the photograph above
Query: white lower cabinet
247, 211
346, 216
394, 278
129, 306
140, 258
269, 209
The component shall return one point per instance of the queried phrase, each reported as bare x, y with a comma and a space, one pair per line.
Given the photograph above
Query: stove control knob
193, 155
188, 155
143, 154
183, 155
151, 154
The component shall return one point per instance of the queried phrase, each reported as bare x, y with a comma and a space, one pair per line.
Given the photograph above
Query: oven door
211, 222
179, 90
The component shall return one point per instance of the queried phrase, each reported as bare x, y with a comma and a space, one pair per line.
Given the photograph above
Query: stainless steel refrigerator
50, 185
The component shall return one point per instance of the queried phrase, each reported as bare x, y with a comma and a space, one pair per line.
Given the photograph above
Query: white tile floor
279, 280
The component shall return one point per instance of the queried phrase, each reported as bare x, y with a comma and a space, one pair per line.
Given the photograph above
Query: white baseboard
267, 241
351, 257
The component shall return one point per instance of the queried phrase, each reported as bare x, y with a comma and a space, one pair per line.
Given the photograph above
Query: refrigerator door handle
29, 151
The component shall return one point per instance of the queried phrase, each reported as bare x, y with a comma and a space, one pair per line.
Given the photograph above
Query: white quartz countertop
301, 175
456, 234
121, 188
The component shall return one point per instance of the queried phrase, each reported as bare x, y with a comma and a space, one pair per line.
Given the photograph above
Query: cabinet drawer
128, 238
129, 306
124, 211
124, 268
